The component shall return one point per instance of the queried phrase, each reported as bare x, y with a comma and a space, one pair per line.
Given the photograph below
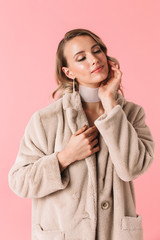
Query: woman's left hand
110, 88
107, 90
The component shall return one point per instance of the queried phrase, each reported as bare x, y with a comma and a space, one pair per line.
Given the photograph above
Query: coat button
85, 215
105, 205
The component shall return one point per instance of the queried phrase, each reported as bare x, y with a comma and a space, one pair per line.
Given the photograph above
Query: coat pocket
131, 223
40, 234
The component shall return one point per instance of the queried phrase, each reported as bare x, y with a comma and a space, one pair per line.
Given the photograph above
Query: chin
103, 79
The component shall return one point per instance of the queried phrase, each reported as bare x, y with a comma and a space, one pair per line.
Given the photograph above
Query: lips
97, 68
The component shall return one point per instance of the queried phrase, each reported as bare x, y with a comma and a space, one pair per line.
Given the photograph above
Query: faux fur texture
94, 198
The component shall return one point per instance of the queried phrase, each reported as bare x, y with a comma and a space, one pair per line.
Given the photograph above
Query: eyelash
84, 57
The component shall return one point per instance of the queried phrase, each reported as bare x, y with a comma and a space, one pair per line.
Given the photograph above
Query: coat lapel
77, 118
74, 110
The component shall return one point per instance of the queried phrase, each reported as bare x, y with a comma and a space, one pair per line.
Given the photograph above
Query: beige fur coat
92, 199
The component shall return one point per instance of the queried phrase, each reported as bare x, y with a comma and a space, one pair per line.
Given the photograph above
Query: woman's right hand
81, 145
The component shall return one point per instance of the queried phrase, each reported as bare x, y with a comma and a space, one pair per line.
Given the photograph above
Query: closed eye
85, 57
97, 51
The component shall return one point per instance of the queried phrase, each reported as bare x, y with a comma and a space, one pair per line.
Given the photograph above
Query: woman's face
81, 65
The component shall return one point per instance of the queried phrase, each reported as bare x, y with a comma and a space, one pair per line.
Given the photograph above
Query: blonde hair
65, 84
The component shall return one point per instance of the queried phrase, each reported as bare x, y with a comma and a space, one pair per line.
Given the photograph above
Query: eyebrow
83, 51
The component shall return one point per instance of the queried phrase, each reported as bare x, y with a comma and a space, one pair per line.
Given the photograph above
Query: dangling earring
74, 85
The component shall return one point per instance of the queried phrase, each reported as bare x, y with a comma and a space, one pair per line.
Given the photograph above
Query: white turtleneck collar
88, 94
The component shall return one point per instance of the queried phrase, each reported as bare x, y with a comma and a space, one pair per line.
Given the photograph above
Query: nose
93, 59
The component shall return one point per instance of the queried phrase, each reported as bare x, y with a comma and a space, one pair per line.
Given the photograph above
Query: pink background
30, 32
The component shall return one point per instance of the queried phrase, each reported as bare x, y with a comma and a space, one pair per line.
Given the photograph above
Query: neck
90, 99
93, 107
89, 94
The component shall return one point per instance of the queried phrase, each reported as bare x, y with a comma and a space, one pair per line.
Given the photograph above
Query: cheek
81, 68
106, 67
105, 62
105, 59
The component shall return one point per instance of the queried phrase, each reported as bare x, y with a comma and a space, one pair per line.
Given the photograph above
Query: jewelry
74, 85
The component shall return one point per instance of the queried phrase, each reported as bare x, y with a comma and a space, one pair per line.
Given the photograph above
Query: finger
90, 130
112, 63
80, 130
93, 143
96, 149
116, 70
94, 135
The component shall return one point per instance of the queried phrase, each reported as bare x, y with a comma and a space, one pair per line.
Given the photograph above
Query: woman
79, 156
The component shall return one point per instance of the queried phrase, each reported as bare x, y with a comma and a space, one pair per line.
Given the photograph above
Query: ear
68, 73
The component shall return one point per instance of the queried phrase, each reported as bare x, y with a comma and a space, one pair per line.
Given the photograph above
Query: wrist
64, 159
109, 106
68, 155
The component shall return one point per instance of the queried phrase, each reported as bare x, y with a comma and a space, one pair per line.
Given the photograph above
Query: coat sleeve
131, 146
35, 173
